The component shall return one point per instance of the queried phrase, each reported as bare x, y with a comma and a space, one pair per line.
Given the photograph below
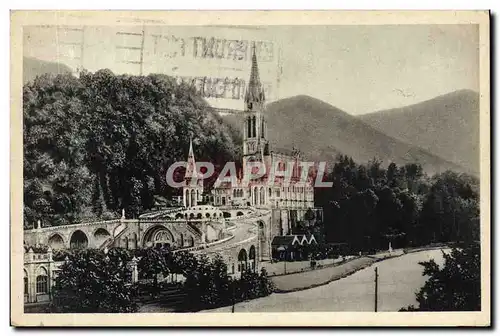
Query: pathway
399, 279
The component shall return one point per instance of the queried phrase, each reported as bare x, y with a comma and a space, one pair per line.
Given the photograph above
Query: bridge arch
100, 233
78, 240
56, 241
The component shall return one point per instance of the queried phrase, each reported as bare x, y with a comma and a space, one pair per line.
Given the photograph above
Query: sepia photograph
195, 167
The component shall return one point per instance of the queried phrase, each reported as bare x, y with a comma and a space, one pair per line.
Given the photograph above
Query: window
25, 285
41, 284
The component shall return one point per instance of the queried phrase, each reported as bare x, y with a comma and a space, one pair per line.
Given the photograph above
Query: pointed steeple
191, 163
255, 91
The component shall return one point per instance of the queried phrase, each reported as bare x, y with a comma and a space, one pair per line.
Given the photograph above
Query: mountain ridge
322, 131
446, 125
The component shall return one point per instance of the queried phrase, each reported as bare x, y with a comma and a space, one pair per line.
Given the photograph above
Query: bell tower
193, 189
255, 144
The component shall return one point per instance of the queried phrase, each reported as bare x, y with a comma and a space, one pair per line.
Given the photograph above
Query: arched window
251, 256
25, 282
41, 284
254, 127
249, 127
193, 198
182, 240
270, 193
42, 281
198, 215
242, 260
163, 236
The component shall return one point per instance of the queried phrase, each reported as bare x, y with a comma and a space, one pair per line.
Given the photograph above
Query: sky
359, 69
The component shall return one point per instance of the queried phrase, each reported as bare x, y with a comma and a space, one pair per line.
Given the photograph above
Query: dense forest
370, 205
97, 143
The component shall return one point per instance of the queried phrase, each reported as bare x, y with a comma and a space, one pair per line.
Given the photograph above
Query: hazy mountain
447, 126
33, 67
321, 131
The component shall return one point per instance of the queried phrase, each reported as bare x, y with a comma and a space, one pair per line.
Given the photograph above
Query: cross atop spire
255, 91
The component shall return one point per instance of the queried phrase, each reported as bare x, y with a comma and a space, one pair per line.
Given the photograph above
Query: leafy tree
93, 282
152, 263
208, 285
454, 287
451, 204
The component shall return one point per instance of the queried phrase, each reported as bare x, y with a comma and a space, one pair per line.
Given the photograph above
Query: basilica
288, 196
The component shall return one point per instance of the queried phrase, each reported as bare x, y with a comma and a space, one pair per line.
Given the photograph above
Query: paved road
399, 279
321, 276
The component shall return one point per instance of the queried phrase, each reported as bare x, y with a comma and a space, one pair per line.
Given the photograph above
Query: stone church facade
288, 198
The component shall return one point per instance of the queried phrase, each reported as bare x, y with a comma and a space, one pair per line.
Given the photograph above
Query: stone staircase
122, 228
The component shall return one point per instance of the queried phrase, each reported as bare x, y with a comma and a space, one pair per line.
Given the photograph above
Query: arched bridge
240, 236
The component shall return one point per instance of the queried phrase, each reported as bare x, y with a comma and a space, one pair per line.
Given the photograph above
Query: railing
155, 214
193, 229
106, 243
205, 246
48, 228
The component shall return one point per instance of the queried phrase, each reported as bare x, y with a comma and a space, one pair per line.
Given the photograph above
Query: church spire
191, 163
255, 92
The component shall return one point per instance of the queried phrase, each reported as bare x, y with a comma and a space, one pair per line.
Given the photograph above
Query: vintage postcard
250, 168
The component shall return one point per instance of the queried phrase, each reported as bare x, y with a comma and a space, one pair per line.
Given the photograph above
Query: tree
152, 263
452, 203
93, 282
454, 287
